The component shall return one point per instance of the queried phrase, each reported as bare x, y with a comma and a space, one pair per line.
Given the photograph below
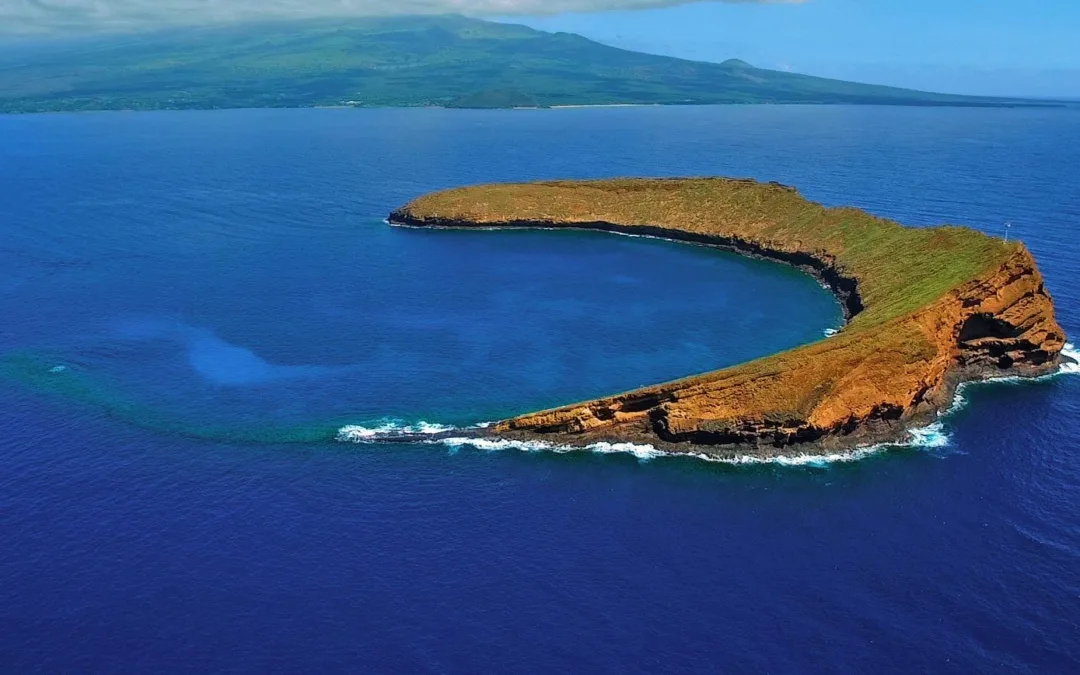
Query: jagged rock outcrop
927, 309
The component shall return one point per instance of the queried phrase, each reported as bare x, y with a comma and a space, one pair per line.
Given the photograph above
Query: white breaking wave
928, 437
823, 459
959, 400
641, 451
1071, 352
933, 436
389, 428
925, 438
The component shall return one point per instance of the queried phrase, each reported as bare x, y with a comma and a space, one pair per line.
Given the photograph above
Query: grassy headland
927, 306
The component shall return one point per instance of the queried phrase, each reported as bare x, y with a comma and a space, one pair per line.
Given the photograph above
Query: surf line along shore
926, 310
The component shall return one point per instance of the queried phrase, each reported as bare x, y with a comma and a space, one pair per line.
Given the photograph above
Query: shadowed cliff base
927, 309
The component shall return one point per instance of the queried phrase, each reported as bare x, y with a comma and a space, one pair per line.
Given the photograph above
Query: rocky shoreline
845, 288
870, 433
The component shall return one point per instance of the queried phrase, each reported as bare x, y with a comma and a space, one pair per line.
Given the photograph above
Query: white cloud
22, 16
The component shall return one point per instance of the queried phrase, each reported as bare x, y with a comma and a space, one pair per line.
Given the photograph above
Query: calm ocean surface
193, 304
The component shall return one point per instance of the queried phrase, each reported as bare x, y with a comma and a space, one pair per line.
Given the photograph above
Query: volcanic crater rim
925, 309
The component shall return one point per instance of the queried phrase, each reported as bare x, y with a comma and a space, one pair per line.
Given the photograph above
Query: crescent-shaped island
926, 309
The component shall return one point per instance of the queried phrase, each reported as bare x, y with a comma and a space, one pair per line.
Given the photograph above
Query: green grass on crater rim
898, 268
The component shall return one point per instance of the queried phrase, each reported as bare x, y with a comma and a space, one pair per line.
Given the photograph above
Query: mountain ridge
447, 60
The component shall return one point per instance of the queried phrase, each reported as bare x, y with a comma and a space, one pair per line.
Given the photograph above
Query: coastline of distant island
437, 61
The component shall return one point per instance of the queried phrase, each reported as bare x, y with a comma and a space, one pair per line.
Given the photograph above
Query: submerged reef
926, 309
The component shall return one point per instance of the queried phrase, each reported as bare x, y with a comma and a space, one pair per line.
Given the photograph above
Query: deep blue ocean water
191, 305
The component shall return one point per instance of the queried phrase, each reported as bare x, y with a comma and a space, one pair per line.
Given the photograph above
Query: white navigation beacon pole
1008, 225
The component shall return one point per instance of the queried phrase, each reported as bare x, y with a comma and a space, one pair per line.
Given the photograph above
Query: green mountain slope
403, 61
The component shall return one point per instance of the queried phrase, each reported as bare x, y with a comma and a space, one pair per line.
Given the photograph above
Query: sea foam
933, 436
643, 452
388, 428
1072, 368
930, 437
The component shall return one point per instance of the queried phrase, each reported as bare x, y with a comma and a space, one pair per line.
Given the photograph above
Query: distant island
927, 309
445, 61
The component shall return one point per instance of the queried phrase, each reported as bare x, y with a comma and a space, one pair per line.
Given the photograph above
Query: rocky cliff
927, 309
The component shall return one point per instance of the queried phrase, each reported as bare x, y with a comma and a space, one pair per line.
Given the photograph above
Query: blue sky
1017, 47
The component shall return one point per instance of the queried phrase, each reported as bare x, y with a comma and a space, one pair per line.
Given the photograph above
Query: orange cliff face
955, 305
1001, 322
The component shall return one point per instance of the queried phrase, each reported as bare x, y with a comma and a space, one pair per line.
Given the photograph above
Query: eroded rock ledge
927, 308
